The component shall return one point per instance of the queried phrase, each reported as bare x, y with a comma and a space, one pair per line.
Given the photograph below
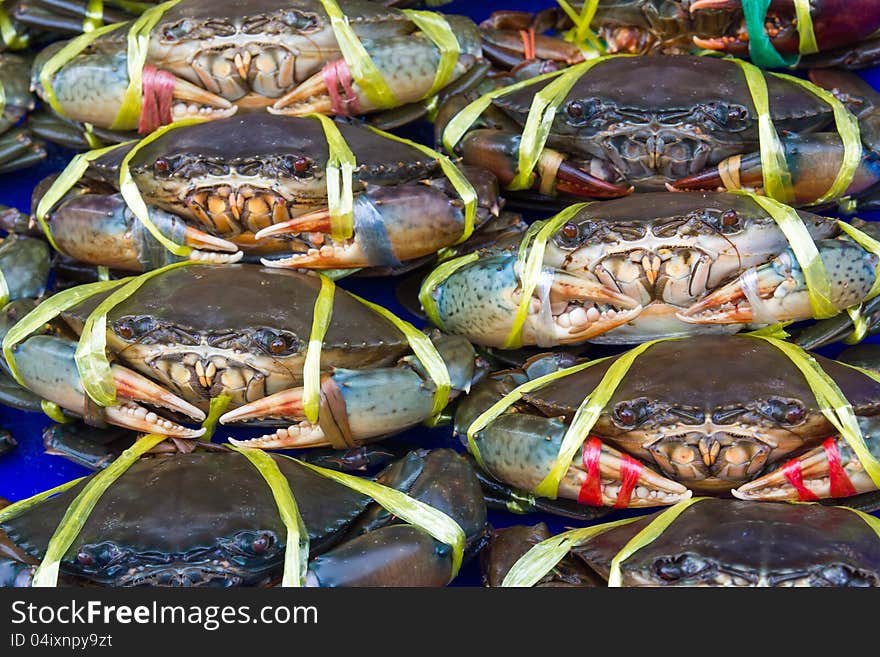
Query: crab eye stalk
672, 569
262, 543
784, 412
125, 330
275, 344
730, 219
83, 558
632, 413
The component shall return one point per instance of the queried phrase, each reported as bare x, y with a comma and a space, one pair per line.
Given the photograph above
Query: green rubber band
761, 49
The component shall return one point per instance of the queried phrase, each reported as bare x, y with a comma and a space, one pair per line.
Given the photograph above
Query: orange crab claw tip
313, 222
699, 5
198, 239
572, 180
710, 44
131, 385
287, 404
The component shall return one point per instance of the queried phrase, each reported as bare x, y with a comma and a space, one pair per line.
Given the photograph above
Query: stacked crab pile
635, 339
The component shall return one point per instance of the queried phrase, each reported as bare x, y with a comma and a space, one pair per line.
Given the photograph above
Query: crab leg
358, 405
565, 309
777, 291
47, 366
391, 225
99, 229
829, 471
498, 151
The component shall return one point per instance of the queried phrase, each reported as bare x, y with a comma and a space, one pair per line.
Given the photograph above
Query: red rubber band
337, 79
841, 485
590, 493
630, 469
158, 91
792, 472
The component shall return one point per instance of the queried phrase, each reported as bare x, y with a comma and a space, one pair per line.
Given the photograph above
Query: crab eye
631, 414
262, 543
83, 558
274, 343
161, 165
682, 567
301, 165
125, 330
784, 412
575, 109
729, 219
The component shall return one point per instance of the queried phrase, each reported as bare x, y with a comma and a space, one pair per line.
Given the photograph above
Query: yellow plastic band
11, 38
424, 350
435, 279
91, 351
540, 119
647, 536
462, 122
70, 50
4, 290
17, 508
585, 417
462, 185
777, 178
63, 184
94, 15
871, 521
53, 412
437, 29
138, 49
860, 325
45, 312
807, 44
363, 69
530, 264
583, 35
542, 558
132, 194
340, 167
832, 402
421, 515
805, 251
90, 136
78, 511
2, 98
850, 134
321, 317
296, 546
498, 408
216, 407
103, 273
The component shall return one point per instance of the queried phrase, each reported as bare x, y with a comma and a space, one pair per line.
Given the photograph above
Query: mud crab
749, 425
714, 543
257, 185
649, 266
212, 59
18, 147
243, 330
682, 123
843, 28
168, 521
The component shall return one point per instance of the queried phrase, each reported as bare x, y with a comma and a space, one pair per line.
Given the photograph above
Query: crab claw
48, 368
391, 225
835, 22
407, 63
349, 413
814, 161
829, 471
481, 299
777, 291
554, 174
100, 229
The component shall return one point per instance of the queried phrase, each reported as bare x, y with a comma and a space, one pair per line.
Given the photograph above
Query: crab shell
210, 519
717, 543
227, 56
241, 329
710, 414
235, 177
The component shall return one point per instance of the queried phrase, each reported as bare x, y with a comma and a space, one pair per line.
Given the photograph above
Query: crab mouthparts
207, 377
697, 456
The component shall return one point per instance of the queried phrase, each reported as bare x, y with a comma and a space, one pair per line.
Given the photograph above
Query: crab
681, 123
18, 146
650, 266
714, 543
256, 185
212, 59
194, 333
843, 28
168, 521
748, 426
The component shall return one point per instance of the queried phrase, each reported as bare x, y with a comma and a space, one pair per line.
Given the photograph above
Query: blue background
28, 470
